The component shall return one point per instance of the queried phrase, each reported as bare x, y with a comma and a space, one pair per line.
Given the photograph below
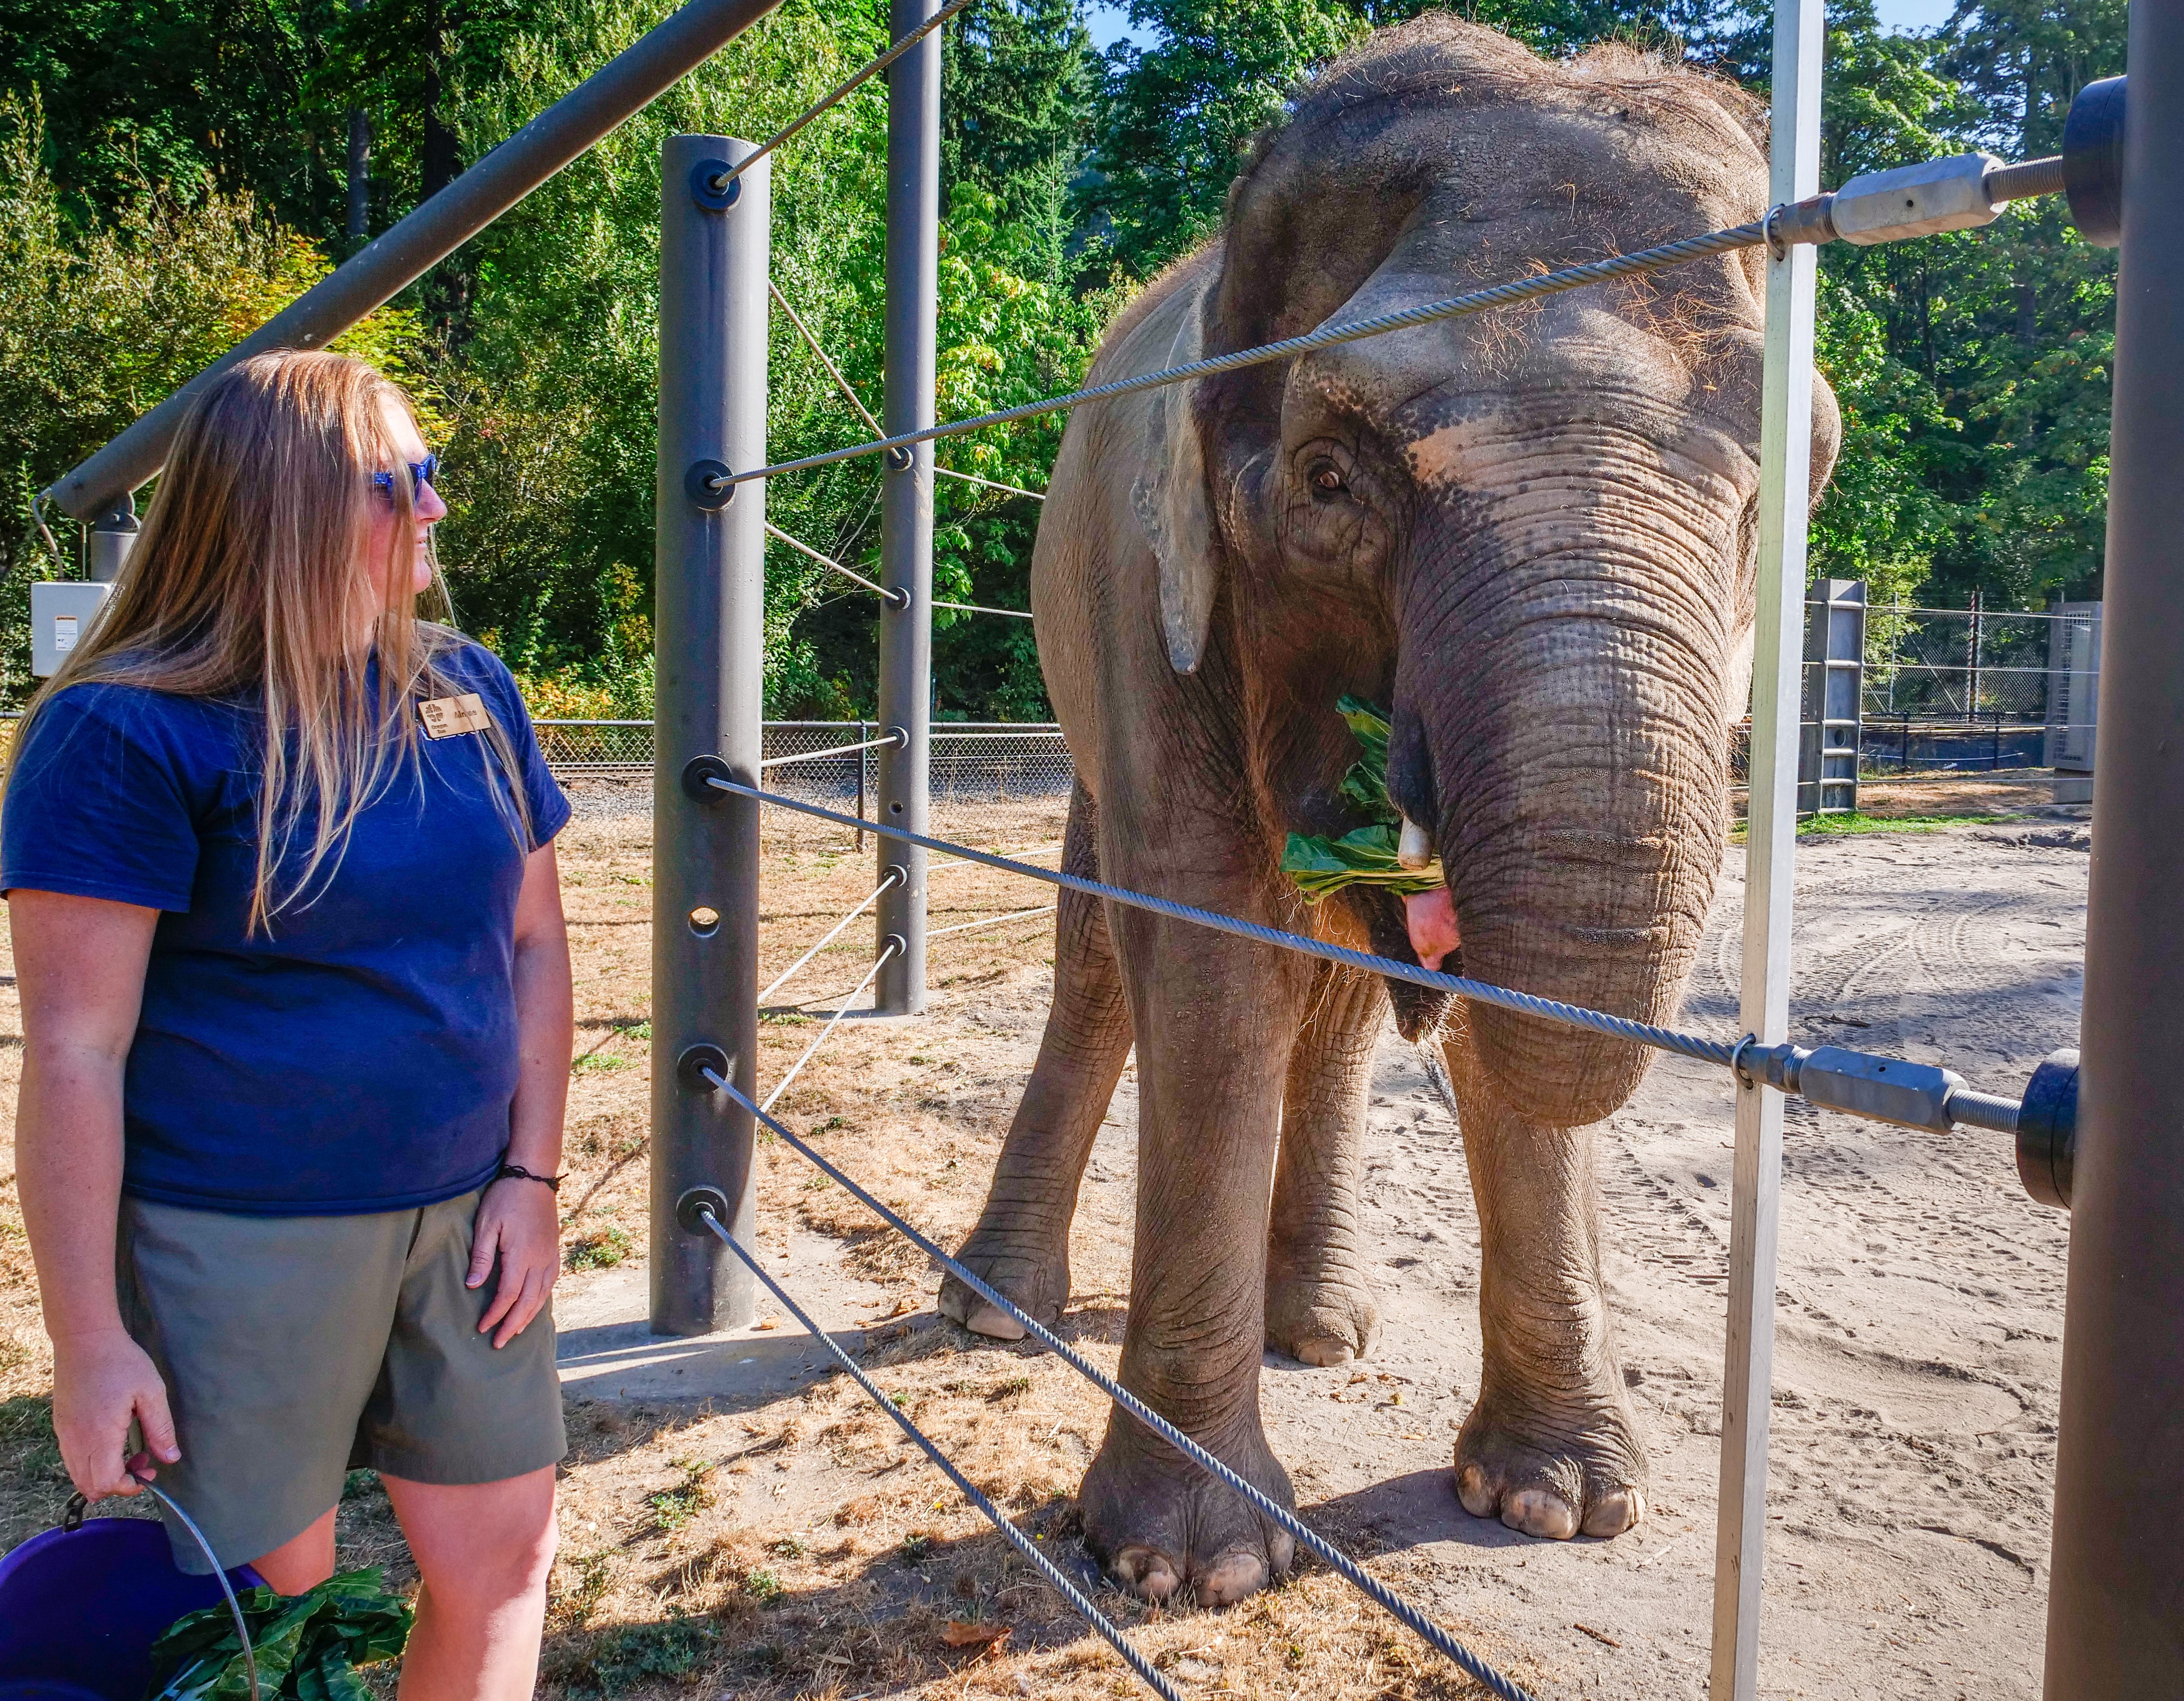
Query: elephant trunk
1559, 718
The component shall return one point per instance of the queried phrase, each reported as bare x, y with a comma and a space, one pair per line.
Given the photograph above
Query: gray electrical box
62, 611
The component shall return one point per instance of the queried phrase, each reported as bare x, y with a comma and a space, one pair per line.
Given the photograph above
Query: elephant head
1533, 529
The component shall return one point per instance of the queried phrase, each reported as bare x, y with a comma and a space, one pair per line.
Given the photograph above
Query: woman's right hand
101, 1382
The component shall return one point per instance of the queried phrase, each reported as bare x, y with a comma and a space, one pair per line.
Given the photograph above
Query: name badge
450, 717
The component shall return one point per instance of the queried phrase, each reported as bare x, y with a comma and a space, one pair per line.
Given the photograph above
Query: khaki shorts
295, 1350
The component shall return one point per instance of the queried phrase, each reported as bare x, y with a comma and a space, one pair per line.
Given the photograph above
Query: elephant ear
1170, 500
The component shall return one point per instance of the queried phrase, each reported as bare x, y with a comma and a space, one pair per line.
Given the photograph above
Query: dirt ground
781, 1539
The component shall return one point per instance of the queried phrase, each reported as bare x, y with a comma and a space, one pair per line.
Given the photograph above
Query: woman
288, 930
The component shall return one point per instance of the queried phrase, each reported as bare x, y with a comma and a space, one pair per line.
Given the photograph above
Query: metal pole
709, 649
626, 84
113, 535
2115, 1605
913, 267
1785, 431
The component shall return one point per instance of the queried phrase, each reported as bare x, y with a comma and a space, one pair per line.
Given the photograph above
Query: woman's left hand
517, 1224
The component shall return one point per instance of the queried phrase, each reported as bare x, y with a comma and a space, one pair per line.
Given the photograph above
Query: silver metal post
113, 535
2115, 1603
710, 646
913, 267
1786, 432
632, 79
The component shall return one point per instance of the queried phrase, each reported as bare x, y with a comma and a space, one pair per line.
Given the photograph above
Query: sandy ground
739, 1521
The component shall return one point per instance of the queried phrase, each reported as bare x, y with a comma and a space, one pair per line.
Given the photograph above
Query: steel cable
834, 97
894, 874
1750, 235
856, 401
1023, 1543
834, 1021
1408, 1616
1480, 992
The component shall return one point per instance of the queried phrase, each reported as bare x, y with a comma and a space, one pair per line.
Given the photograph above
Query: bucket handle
72, 1520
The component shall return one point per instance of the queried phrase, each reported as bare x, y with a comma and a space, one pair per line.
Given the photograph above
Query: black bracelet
553, 1183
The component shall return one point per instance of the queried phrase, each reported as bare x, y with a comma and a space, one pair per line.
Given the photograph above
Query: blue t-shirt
364, 1057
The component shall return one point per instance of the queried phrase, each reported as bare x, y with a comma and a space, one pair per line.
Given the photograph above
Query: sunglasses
421, 473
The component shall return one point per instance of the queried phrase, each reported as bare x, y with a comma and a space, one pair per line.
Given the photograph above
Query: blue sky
1111, 23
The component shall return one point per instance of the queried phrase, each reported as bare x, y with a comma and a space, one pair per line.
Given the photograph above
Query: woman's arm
517, 1221
79, 967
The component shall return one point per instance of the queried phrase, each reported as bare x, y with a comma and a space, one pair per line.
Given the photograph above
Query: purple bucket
80, 1608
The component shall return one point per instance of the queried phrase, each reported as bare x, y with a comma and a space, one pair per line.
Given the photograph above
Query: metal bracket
690, 1068
2047, 1129
696, 1203
706, 484
712, 188
898, 458
698, 771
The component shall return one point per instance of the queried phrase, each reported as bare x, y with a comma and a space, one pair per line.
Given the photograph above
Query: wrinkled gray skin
1531, 533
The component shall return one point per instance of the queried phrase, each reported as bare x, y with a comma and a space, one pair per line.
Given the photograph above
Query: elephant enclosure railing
719, 767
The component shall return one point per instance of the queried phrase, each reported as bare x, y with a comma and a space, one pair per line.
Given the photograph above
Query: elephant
1532, 532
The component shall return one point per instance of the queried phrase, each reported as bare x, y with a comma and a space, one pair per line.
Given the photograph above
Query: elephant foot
1037, 1283
1327, 1317
1552, 1471
1165, 1529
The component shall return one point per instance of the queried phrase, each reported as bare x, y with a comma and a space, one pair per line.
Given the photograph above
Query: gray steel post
708, 601
113, 536
627, 83
913, 267
2115, 1601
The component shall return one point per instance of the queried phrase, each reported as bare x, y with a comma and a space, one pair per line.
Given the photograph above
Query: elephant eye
1326, 479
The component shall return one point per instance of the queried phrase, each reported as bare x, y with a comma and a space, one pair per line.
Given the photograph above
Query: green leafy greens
1366, 856
309, 1646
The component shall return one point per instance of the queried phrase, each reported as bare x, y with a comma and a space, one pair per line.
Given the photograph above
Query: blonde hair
245, 578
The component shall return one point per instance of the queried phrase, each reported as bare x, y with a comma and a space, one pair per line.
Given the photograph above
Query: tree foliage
171, 173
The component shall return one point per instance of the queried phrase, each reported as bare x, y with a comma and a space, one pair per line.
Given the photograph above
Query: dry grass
803, 1547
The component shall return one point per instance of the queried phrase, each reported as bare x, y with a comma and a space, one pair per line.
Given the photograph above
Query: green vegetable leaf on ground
1366, 855
309, 1646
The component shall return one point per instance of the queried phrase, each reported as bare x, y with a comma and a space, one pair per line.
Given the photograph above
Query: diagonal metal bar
1023, 1543
840, 92
1326, 337
834, 1021
1399, 1609
897, 597
827, 938
812, 342
850, 395
990, 921
990, 483
980, 609
886, 743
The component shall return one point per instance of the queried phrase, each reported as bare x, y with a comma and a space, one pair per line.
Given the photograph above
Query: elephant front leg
1021, 1245
1549, 1445
1214, 1019
1319, 1302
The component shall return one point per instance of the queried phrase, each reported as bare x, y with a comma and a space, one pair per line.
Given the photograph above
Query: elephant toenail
1281, 1548
1230, 1578
1539, 1512
1322, 1350
1473, 1489
1616, 1511
1147, 1572
994, 1323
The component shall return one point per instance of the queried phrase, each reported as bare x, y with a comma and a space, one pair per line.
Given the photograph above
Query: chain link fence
971, 761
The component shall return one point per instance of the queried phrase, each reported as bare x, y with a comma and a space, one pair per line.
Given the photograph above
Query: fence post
710, 602
2115, 1604
913, 266
1771, 841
